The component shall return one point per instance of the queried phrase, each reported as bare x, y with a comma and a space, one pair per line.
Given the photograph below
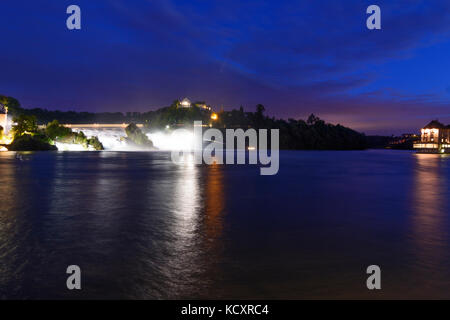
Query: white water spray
182, 140
114, 140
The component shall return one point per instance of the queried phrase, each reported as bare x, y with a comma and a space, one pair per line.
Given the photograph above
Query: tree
312, 119
136, 136
95, 143
260, 110
24, 124
27, 142
55, 130
259, 115
11, 103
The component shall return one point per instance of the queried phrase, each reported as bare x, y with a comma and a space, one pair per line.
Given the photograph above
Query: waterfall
113, 139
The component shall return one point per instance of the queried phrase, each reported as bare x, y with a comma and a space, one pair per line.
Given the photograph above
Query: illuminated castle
186, 103
435, 138
3, 116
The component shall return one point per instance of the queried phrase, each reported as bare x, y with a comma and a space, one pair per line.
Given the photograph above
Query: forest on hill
310, 134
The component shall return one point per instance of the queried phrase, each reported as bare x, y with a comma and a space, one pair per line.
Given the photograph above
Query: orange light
214, 116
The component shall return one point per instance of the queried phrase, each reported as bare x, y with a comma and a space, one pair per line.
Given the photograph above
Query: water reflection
429, 221
192, 248
140, 226
214, 202
22, 231
183, 263
9, 224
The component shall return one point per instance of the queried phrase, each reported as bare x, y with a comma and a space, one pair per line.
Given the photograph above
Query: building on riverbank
4, 117
435, 138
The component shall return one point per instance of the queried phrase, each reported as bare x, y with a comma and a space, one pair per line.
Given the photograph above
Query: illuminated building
3, 117
203, 106
435, 138
186, 103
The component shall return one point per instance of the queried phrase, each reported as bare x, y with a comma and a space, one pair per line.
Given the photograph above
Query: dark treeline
159, 118
310, 134
403, 142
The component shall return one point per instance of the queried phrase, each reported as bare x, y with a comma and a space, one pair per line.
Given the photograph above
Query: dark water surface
142, 227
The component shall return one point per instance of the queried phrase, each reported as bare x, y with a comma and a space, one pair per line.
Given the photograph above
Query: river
141, 227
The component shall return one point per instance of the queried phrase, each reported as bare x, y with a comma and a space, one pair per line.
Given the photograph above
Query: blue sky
295, 57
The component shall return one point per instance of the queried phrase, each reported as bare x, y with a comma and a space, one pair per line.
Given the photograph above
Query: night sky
295, 57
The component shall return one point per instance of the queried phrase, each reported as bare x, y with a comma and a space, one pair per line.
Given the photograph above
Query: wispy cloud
295, 57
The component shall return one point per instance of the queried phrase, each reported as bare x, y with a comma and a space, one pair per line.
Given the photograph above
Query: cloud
294, 57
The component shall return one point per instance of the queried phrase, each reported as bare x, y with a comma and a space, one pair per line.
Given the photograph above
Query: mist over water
177, 140
114, 140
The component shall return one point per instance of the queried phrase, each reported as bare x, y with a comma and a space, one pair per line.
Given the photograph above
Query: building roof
186, 100
435, 125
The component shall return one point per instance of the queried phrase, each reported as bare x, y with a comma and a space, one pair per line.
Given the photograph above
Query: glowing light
430, 130
3, 149
187, 159
214, 116
178, 140
426, 145
113, 139
6, 139
70, 147
186, 103
251, 148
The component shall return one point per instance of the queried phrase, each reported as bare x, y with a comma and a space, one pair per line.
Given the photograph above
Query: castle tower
4, 117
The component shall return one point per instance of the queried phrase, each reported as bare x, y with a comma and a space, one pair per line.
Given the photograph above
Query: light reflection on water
142, 227
430, 232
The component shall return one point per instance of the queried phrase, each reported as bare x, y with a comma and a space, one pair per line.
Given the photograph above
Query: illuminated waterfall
176, 140
113, 139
